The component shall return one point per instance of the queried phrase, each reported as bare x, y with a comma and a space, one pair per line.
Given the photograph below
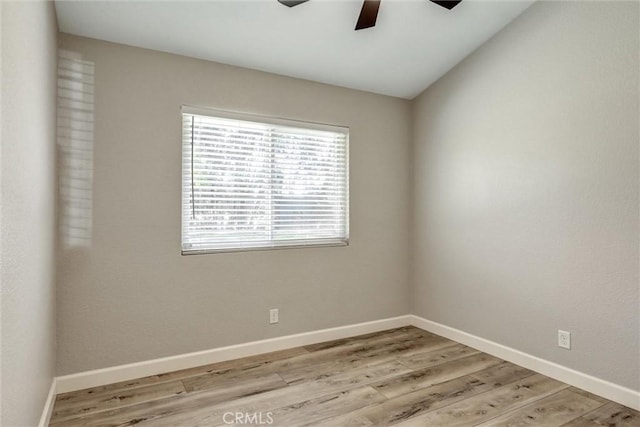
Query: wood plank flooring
400, 377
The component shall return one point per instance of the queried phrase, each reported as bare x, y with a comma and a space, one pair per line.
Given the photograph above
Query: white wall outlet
273, 315
564, 339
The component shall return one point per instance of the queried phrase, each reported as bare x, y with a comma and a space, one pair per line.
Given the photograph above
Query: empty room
319, 213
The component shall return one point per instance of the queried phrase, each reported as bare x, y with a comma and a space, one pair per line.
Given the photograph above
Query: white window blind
252, 184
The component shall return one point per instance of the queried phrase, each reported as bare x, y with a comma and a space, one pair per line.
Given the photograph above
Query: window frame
275, 121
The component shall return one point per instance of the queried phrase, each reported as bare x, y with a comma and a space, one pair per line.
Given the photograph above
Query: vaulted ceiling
413, 43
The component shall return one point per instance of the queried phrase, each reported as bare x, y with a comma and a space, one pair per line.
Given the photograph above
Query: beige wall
526, 189
27, 178
130, 295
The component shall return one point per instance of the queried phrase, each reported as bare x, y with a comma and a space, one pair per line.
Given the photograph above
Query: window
253, 183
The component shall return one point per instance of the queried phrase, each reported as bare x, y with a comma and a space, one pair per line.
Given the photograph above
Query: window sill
336, 243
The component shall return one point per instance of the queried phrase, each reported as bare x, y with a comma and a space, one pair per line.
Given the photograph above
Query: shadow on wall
75, 148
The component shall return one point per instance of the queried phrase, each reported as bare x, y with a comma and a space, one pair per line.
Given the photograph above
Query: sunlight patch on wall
75, 148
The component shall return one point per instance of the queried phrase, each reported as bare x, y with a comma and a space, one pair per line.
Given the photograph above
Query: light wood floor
403, 377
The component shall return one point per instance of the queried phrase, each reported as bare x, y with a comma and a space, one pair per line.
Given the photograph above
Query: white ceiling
413, 44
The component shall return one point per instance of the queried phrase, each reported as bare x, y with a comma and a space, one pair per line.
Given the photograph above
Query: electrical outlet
273, 315
564, 339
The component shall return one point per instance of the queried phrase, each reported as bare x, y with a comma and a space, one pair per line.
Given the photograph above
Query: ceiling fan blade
446, 3
292, 3
368, 14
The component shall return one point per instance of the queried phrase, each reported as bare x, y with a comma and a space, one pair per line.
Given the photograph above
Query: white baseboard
131, 371
98, 377
48, 405
600, 387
